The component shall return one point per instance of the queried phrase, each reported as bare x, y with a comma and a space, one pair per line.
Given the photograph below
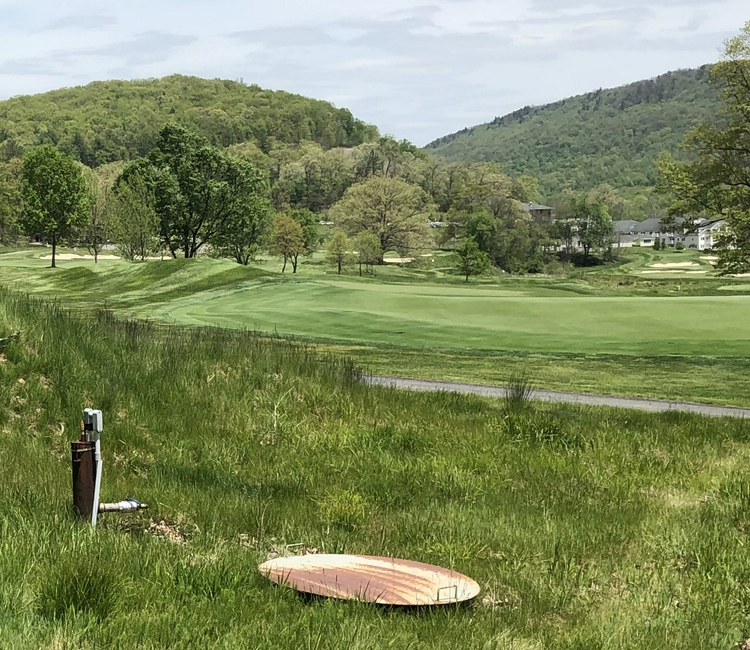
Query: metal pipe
82, 460
128, 505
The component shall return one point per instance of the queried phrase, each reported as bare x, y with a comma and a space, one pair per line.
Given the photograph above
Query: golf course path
652, 405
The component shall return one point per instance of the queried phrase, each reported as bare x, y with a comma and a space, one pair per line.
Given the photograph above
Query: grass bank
586, 528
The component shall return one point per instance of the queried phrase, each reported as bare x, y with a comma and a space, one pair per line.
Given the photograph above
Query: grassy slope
611, 136
586, 528
565, 334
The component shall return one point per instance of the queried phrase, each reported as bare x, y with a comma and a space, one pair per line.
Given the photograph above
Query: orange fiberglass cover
378, 580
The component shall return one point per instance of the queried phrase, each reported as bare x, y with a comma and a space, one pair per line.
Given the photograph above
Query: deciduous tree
133, 223
593, 226
368, 250
472, 260
396, 212
54, 194
288, 240
11, 204
339, 253
717, 182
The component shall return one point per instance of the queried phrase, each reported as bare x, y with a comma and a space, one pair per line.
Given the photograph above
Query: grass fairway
602, 333
538, 320
586, 528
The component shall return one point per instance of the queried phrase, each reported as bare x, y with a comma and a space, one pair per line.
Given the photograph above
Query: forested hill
119, 120
608, 136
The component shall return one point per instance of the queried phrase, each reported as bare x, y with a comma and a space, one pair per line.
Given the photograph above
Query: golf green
421, 315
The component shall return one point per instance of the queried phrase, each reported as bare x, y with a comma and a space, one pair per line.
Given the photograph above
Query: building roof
710, 224
533, 207
628, 225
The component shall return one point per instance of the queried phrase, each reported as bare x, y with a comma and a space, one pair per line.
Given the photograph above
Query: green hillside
608, 136
119, 120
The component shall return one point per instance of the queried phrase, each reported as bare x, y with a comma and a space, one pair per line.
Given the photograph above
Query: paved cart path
653, 405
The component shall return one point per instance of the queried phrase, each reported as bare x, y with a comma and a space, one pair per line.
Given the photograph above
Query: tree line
186, 197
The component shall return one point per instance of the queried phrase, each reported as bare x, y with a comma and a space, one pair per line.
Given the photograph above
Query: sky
418, 69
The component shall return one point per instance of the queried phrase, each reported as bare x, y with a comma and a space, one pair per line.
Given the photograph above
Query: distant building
702, 235
539, 213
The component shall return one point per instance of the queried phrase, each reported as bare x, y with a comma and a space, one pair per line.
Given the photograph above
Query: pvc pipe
98, 459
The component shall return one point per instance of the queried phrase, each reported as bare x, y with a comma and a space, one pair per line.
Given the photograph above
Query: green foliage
242, 235
472, 260
715, 183
202, 195
55, 195
339, 252
11, 207
608, 136
369, 252
393, 210
95, 234
133, 222
593, 226
287, 240
121, 120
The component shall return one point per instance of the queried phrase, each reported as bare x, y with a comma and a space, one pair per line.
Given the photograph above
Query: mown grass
717, 380
586, 528
602, 333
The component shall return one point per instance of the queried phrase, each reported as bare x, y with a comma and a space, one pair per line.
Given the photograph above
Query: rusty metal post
84, 476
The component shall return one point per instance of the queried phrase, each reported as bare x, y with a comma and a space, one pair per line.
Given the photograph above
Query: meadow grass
586, 528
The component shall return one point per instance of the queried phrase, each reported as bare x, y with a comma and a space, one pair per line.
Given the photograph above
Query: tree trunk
54, 250
360, 268
96, 255
294, 263
339, 263
283, 268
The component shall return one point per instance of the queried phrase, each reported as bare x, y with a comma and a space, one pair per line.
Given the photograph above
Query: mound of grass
584, 527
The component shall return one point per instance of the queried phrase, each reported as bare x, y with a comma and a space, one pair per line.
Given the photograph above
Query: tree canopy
716, 182
121, 120
55, 195
202, 194
607, 136
394, 211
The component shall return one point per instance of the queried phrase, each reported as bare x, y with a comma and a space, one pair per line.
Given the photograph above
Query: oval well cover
379, 580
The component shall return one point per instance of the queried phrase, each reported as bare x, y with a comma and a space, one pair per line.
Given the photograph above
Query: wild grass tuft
518, 393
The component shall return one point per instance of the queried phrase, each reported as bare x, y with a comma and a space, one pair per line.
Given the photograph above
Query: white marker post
93, 424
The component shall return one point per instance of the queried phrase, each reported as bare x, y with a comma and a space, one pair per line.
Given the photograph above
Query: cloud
82, 22
417, 68
148, 48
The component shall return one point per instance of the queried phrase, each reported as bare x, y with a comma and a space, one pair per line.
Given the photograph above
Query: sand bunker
710, 258
674, 265
695, 272
75, 256
398, 260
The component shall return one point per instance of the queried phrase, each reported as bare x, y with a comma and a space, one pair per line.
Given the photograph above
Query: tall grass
586, 528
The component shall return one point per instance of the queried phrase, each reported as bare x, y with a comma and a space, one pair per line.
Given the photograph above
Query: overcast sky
418, 69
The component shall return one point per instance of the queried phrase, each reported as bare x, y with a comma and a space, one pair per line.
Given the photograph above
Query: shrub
679, 246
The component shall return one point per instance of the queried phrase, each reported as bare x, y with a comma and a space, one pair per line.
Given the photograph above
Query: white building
702, 236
